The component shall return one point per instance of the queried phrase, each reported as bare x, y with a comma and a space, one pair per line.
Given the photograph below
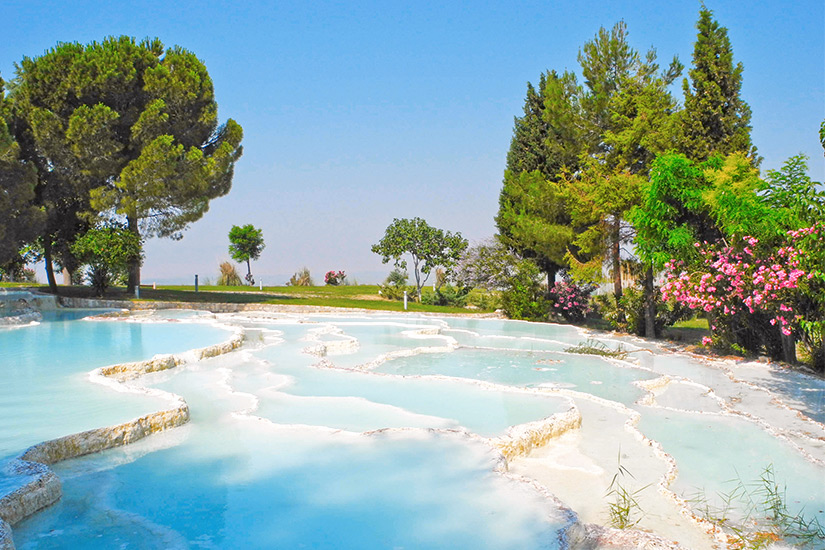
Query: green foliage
486, 265
575, 155
134, 123
670, 216
427, 246
108, 251
628, 314
685, 202
625, 512
791, 190
396, 292
395, 285
301, 278
228, 276
715, 120
20, 220
246, 243
598, 205
548, 136
397, 277
822, 134
481, 298
448, 295
733, 203
533, 219
595, 347
756, 515
523, 296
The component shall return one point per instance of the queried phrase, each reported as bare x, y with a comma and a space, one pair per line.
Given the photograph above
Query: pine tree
20, 221
532, 218
133, 122
715, 119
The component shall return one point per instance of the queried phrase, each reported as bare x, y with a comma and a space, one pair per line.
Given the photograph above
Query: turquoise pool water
373, 446
45, 370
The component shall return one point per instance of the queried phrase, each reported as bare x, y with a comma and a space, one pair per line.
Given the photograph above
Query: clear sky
355, 113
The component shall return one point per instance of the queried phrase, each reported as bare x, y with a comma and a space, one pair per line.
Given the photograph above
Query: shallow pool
382, 431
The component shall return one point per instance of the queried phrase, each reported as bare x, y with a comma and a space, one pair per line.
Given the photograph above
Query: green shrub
108, 252
455, 296
301, 278
397, 277
484, 299
629, 315
523, 297
394, 286
229, 275
392, 292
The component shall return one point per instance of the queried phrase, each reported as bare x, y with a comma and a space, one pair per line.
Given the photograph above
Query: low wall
214, 307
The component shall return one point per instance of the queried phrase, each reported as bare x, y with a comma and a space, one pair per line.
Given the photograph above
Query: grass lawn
360, 296
689, 332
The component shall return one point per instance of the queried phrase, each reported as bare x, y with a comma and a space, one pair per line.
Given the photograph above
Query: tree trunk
417, 279
789, 349
47, 256
650, 304
134, 264
551, 277
617, 259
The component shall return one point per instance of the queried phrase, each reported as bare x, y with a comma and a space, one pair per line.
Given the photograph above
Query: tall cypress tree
532, 217
715, 119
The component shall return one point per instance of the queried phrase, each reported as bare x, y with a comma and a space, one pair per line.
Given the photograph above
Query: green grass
361, 296
695, 323
690, 331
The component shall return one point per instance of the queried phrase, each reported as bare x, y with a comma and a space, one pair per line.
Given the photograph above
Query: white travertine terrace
45, 488
518, 442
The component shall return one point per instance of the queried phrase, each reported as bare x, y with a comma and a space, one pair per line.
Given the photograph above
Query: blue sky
356, 113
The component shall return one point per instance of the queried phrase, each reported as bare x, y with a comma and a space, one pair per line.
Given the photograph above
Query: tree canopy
246, 243
427, 246
20, 219
133, 123
715, 119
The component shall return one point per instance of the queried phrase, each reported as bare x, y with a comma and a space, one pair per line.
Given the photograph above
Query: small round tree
427, 246
246, 243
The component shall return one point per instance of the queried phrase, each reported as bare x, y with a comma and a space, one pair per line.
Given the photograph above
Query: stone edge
46, 489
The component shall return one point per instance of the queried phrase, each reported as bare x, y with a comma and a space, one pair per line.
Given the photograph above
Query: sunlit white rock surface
494, 431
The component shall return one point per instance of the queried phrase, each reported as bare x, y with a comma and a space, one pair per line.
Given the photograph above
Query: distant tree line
116, 134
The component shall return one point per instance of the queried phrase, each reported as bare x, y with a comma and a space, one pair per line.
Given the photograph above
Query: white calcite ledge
45, 488
128, 371
6, 543
520, 440
100, 439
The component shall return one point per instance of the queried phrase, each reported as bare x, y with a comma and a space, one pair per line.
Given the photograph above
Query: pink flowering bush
752, 292
570, 300
334, 278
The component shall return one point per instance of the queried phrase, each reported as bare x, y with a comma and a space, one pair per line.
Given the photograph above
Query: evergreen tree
629, 115
715, 119
532, 218
20, 221
134, 123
